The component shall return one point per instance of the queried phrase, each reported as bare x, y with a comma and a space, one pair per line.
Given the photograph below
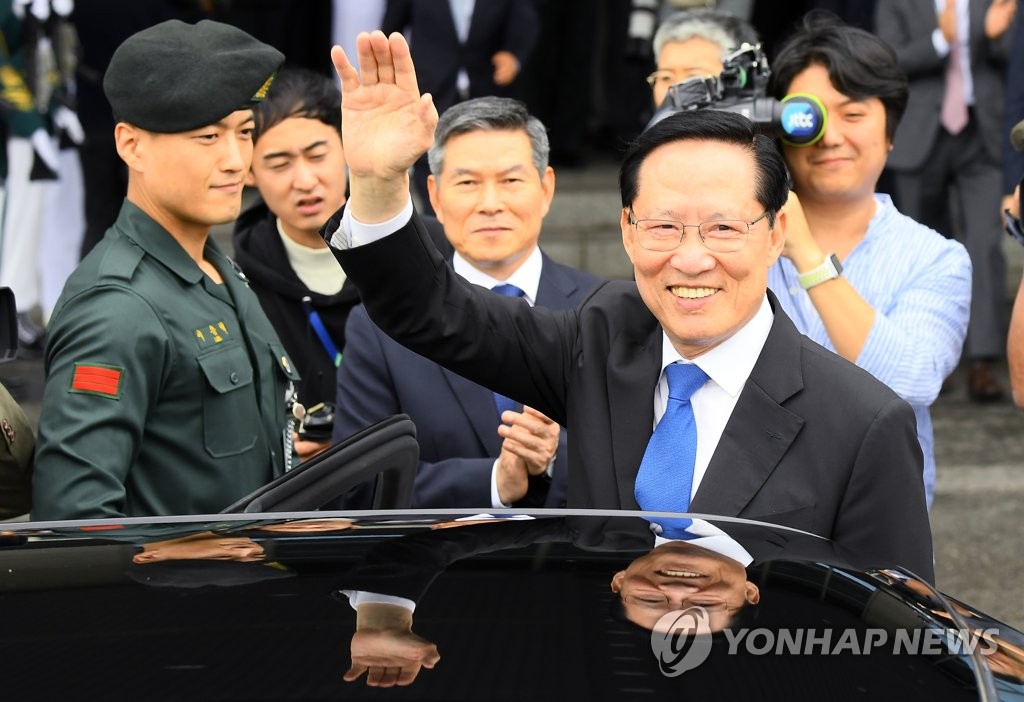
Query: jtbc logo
798, 121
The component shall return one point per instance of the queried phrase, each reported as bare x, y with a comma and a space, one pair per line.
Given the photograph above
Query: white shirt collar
730, 363
526, 277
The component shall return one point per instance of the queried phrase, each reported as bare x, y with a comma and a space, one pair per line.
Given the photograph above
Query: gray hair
721, 28
489, 114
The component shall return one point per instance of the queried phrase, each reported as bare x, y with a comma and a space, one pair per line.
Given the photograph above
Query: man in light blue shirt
863, 280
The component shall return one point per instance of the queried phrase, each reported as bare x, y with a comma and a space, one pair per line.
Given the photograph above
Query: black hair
298, 92
771, 177
859, 64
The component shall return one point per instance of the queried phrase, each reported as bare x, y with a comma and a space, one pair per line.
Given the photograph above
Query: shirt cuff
357, 598
352, 233
939, 42
496, 502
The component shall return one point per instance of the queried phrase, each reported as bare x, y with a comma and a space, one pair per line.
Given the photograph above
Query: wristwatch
829, 269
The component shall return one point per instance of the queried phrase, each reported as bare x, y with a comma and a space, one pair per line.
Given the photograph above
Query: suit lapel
555, 288
634, 367
478, 404
760, 430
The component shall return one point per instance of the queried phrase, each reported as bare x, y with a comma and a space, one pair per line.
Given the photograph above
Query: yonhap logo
680, 640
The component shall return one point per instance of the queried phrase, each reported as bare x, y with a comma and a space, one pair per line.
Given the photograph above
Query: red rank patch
97, 380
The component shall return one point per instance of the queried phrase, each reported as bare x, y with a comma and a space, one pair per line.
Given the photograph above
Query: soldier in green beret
165, 383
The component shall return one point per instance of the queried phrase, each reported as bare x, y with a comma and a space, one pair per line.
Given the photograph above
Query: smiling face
845, 164
299, 167
189, 181
700, 297
491, 199
678, 575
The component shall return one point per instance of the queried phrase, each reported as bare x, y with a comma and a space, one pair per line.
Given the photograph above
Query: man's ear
434, 201
145, 557
628, 240
752, 593
617, 581
250, 178
129, 141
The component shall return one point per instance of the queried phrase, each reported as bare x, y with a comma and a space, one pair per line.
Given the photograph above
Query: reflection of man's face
204, 547
678, 575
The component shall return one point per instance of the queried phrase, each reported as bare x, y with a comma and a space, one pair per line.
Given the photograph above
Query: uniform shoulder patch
96, 379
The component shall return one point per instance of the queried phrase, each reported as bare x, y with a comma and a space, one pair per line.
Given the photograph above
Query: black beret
174, 76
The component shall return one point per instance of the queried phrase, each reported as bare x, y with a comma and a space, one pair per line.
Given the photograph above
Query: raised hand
385, 123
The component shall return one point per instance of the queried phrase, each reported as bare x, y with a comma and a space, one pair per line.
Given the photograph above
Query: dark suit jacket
456, 420
907, 26
814, 442
497, 25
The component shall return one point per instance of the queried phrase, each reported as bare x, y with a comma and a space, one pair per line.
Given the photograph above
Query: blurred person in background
947, 152
298, 165
465, 49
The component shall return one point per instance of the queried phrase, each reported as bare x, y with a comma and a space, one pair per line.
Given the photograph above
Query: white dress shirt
728, 366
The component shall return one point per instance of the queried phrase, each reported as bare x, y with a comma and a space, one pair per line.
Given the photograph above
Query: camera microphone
803, 119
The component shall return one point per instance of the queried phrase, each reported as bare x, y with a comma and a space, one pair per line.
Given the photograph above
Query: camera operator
693, 44
859, 277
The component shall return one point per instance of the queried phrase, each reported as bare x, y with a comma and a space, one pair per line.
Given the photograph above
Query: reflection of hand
386, 649
307, 449
529, 446
506, 67
998, 18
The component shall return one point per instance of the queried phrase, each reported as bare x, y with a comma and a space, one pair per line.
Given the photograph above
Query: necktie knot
508, 290
684, 379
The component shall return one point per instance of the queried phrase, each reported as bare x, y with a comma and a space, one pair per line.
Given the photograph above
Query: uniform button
233, 378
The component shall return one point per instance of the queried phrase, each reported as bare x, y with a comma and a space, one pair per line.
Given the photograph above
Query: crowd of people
795, 309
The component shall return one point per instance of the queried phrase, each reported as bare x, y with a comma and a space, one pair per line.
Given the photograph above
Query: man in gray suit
779, 429
954, 53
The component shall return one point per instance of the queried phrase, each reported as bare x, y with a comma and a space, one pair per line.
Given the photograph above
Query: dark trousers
958, 192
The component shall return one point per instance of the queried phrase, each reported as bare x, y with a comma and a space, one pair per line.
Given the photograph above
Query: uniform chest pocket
230, 412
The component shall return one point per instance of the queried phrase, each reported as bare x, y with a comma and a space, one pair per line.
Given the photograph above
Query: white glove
42, 143
63, 7
67, 121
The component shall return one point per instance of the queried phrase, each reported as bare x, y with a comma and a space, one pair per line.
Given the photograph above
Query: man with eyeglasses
693, 44
774, 427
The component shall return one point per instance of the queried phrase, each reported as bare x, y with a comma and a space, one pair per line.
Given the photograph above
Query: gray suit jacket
907, 26
814, 442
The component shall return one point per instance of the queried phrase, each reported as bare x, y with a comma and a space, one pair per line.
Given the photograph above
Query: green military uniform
15, 458
165, 392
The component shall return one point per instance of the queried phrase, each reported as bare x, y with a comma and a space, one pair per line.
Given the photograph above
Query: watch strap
829, 269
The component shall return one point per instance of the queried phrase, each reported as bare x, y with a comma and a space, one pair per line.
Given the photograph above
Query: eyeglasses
667, 77
718, 235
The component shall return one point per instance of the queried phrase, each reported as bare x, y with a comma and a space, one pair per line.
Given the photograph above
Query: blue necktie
500, 401
665, 478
